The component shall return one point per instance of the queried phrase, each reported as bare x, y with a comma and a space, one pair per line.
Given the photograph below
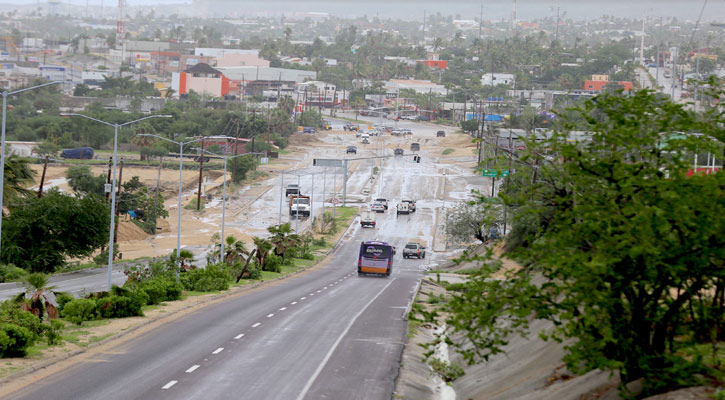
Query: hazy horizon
413, 9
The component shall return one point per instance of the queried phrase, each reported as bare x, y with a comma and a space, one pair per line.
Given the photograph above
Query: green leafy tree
626, 254
17, 177
41, 234
81, 180
243, 166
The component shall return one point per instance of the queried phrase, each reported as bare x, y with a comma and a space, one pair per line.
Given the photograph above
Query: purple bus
375, 258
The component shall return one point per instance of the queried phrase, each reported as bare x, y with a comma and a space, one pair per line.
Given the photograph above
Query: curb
232, 291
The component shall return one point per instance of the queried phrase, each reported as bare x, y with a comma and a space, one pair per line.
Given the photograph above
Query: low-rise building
494, 79
202, 79
419, 86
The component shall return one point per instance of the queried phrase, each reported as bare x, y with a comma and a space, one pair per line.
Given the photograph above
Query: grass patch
192, 204
413, 325
448, 151
94, 339
70, 267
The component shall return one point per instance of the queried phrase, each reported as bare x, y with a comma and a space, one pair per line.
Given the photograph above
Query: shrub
26, 320
53, 331
161, 289
119, 307
9, 272
15, 340
319, 242
79, 310
307, 255
63, 298
212, 278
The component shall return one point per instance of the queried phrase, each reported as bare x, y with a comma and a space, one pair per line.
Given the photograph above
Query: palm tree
18, 176
144, 141
283, 239
263, 248
40, 296
437, 44
287, 33
234, 250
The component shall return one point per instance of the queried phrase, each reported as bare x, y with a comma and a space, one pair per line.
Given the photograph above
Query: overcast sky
467, 9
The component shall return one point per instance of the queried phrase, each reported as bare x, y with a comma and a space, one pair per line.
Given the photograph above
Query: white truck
299, 205
367, 218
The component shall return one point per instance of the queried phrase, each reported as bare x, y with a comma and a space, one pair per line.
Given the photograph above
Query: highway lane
324, 334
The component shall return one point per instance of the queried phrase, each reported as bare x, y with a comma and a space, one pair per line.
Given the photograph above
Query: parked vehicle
396, 132
377, 207
406, 131
375, 257
367, 218
299, 205
411, 204
403, 208
81, 153
384, 201
351, 149
414, 146
441, 134
326, 125
351, 127
398, 152
413, 250
308, 129
292, 188
423, 118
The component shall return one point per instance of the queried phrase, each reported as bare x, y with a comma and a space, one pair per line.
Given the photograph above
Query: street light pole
5, 95
113, 182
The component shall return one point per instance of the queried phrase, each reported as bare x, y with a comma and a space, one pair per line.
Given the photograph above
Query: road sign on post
494, 173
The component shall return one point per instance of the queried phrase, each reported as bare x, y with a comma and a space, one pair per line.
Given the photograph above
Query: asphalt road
324, 334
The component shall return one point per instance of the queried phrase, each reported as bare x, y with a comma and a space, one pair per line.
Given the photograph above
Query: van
403, 208
367, 218
364, 136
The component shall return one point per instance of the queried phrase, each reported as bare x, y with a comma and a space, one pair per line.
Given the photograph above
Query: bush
119, 307
63, 298
15, 340
161, 289
79, 310
212, 278
307, 255
25, 319
53, 331
9, 272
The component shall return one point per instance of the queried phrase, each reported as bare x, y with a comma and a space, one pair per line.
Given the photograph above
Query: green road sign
494, 173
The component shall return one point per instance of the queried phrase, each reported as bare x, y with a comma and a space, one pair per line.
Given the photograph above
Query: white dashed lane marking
293, 303
270, 315
192, 369
239, 336
169, 385
217, 351
256, 325
282, 309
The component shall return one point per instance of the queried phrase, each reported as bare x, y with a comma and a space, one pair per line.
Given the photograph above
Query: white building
316, 87
419, 86
497, 79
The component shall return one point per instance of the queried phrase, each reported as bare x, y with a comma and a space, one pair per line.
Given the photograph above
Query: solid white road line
282, 309
217, 351
256, 325
192, 369
270, 315
239, 336
169, 385
314, 376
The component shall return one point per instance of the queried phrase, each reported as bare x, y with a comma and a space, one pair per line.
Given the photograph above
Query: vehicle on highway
351, 127
364, 136
382, 200
403, 208
441, 134
377, 207
367, 218
326, 125
299, 205
398, 152
413, 250
411, 204
406, 131
292, 188
376, 257
351, 149
365, 141
414, 146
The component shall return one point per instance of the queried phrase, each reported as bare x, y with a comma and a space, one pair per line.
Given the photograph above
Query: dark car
308, 129
441, 134
423, 118
351, 149
398, 152
414, 146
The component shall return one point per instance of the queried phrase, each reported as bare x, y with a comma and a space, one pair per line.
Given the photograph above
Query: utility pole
556, 36
657, 61
118, 195
480, 23
423, 27
641, 46
108, 179
42, 178
201, 171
